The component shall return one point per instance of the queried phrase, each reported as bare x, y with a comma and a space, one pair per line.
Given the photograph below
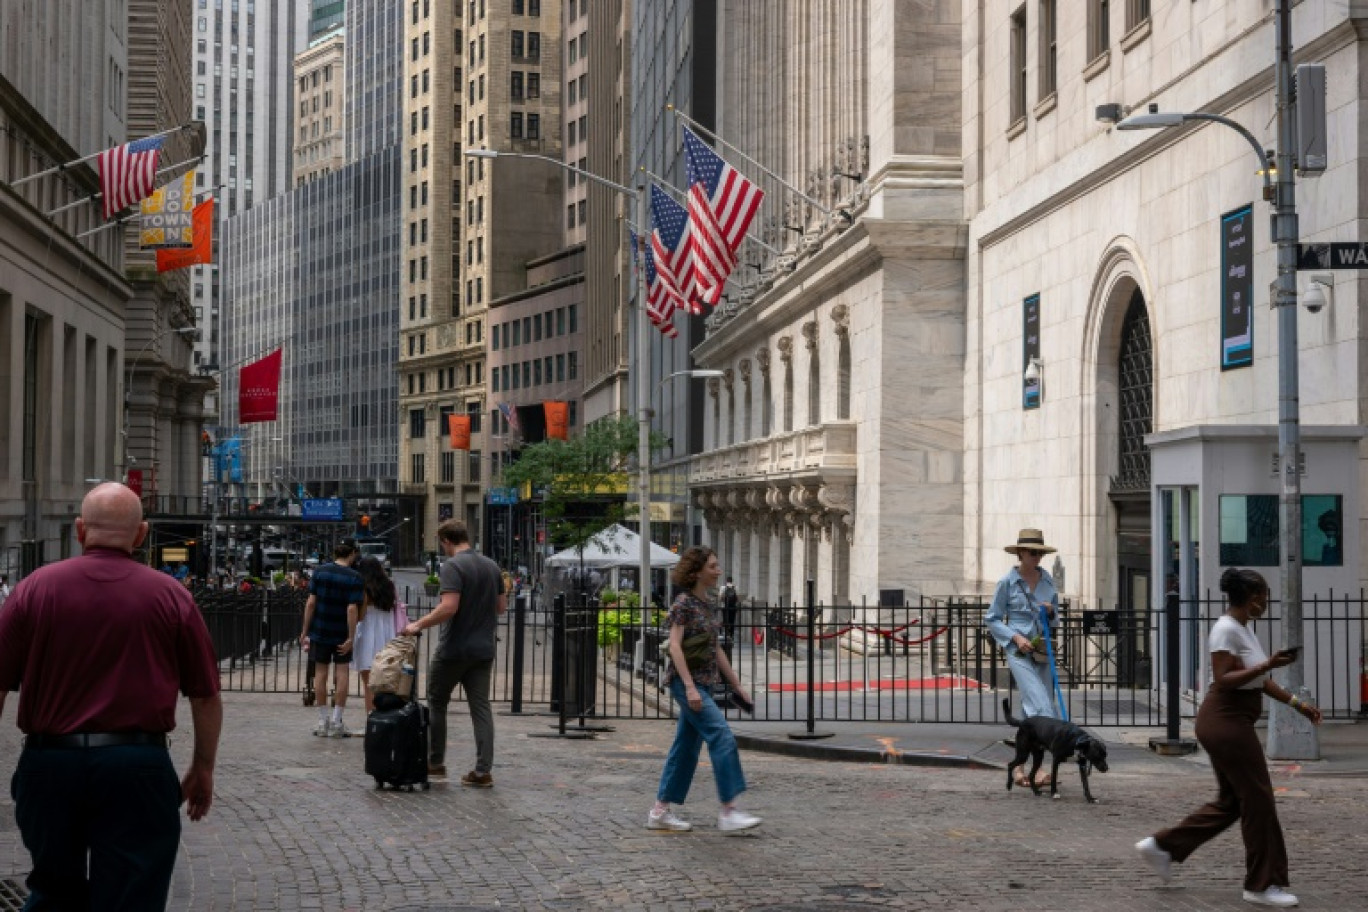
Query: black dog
1062, 739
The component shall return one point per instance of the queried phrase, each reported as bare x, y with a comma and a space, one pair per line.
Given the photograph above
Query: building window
515, 86
448, 467
1018, 64
573, 324
473, 463
1099, 28
516, 42
1137, 11
417, 421
534, 85
572, 365
534, 126
517, 7
417, 472
515, 125
534, 7
534, 43
1049, 73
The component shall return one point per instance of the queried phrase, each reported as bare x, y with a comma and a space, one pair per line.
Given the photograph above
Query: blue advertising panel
1030, 349
502, 497
327, 508
1237, 288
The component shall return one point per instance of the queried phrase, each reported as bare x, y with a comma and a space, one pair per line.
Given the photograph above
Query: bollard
811, 733
519, 637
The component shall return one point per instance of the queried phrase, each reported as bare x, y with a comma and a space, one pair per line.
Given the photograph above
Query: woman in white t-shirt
382, 617
1240, 675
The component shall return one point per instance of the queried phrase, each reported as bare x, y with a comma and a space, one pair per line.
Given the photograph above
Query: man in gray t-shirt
472, 600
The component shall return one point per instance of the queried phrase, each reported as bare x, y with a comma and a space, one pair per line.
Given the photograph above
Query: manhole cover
12, 895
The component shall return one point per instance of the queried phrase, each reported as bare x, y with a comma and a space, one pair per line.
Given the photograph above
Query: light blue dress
1015, 610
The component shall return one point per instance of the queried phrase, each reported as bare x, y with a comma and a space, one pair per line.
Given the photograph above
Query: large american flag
660, 301
673, 256
128, 173
722, 205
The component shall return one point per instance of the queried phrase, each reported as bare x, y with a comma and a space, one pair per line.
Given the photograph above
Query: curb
815, 750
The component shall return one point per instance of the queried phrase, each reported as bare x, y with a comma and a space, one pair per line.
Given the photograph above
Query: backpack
388, 674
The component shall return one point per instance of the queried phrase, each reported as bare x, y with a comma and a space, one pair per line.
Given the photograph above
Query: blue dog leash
1054, 669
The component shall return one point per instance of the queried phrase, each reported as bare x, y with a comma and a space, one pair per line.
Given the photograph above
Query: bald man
103, 646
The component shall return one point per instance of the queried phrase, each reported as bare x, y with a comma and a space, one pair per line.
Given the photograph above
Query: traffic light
363, 523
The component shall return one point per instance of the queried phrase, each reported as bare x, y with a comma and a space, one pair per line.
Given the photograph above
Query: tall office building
325, 16
315, 272
320, 142
244, 91
476, 75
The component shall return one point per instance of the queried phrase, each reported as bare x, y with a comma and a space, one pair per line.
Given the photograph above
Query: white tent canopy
615, 546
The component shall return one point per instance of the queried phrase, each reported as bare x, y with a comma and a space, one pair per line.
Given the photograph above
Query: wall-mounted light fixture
1111, 113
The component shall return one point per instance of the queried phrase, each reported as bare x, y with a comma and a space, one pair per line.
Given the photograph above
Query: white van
378, 550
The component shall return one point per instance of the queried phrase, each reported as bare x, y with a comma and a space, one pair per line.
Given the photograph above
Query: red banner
557, 420
202, 230
135, 481
259, 389
458, 426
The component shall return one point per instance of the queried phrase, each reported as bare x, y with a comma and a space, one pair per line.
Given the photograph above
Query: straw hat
1031, 540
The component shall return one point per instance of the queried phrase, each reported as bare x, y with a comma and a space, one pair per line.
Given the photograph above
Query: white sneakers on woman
1273, 896
667, 820
1161, 863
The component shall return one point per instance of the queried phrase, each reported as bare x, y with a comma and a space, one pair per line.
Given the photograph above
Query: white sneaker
734, 820
1273, 896
1157, 858
667, 820
339, 730
322, 729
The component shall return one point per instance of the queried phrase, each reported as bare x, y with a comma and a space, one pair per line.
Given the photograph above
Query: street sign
503, 497
327, 509
1351, 255
1099, 623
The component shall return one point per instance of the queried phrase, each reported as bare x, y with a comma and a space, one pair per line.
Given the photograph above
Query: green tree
584, 483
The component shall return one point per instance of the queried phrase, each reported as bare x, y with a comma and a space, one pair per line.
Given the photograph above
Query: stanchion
519, 639
1172, 745
810, 733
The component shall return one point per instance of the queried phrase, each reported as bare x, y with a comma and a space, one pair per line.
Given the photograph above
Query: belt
109, 739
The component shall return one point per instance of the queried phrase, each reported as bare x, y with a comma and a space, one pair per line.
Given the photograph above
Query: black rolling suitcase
397, 742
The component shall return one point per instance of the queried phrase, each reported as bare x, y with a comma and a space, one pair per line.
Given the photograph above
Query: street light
643, 359
129, 459
1289, 737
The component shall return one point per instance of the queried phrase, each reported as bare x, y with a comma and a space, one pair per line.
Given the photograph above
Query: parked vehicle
380, 550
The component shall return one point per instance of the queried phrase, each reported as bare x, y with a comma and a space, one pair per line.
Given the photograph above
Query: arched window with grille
1136, 389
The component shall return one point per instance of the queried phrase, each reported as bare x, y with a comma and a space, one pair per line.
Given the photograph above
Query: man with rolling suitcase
472, 598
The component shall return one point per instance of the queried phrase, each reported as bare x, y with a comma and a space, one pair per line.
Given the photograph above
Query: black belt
98, 739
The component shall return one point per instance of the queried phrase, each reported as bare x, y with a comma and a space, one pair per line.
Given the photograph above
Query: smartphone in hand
1293, 652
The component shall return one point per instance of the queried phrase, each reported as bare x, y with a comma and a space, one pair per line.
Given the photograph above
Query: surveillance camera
1315, 298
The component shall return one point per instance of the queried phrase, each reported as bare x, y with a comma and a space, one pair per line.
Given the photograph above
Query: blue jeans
101, 824
708, 724
1036, 684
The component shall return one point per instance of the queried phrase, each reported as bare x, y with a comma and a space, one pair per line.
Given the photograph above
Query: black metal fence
929, 662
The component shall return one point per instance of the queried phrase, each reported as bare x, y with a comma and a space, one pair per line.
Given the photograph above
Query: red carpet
940, 682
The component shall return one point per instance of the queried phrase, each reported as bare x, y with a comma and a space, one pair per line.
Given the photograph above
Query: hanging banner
458, 426
557, 419
201, 251
259, 389
166, 215
1030, 348
1237, 288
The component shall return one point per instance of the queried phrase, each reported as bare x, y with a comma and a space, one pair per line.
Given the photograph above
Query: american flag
510, 416
128, 173
673, 256
660, 301
722, 204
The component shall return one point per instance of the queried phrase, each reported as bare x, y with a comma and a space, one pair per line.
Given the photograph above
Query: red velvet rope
889, 633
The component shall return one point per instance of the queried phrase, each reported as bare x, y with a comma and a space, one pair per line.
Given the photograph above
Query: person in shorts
330, 618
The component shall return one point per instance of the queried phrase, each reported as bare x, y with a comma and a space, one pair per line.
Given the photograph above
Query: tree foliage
584, 483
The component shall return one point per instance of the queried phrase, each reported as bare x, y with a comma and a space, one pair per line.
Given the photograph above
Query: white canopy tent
615, 546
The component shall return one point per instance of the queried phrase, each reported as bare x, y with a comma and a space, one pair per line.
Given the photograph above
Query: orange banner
459, 428
202, 230
557, 420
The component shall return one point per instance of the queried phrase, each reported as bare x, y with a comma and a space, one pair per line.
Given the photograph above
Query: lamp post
700, 374
128, 389
1290, 737
643, 359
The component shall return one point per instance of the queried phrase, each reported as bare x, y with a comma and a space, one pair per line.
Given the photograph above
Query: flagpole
192, 125
787, 186
124, 219
99, 194
682, 195
643, 392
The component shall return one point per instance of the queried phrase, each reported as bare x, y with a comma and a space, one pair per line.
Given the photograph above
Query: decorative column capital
810, 334
785, 344
840, 315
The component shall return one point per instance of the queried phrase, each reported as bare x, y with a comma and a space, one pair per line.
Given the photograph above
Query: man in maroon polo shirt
102, 647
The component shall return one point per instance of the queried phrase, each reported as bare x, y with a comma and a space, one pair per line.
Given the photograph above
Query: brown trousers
1225, 728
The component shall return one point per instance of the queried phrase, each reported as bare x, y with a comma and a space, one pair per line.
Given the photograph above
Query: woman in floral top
700, 720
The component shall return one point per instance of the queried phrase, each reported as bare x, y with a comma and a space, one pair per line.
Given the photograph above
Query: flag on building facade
167, 215
510, 416
660, 304
557, 419
458, 427
673, 257
722, 205
128, 173
202, 249
259, 389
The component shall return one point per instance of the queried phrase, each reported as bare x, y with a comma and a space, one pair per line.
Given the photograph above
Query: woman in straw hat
1014, 621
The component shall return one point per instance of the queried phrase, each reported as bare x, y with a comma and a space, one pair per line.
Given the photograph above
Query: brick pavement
297, 826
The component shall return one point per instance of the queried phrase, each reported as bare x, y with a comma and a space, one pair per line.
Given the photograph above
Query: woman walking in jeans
699, 718
1225, 727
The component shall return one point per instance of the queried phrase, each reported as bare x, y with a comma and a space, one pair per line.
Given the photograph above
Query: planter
432, 589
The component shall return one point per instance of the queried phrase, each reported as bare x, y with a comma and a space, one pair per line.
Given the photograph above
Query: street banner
135, 481
166, 215
1237, 288
557, 419
1030, 348
458, 426
201, 251
259, 389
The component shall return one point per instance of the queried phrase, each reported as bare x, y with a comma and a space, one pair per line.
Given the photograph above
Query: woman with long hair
382, 617
1240, 676
693, 616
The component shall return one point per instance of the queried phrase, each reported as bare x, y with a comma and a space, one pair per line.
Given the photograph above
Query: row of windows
418, 420
536, 327
310, 80
515, 126
577, 89
1137, 13
725, 431
516, 81
535, 372
413, 84
583, 133
307, 104
579, 47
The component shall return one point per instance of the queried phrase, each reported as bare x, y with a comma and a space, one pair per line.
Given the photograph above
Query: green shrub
610, 626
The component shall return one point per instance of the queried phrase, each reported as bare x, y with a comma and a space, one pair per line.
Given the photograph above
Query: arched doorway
1129, 490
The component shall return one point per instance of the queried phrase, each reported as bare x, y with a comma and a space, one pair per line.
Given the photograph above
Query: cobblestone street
297, 825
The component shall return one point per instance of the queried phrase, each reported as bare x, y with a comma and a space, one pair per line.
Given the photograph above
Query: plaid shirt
333, 587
